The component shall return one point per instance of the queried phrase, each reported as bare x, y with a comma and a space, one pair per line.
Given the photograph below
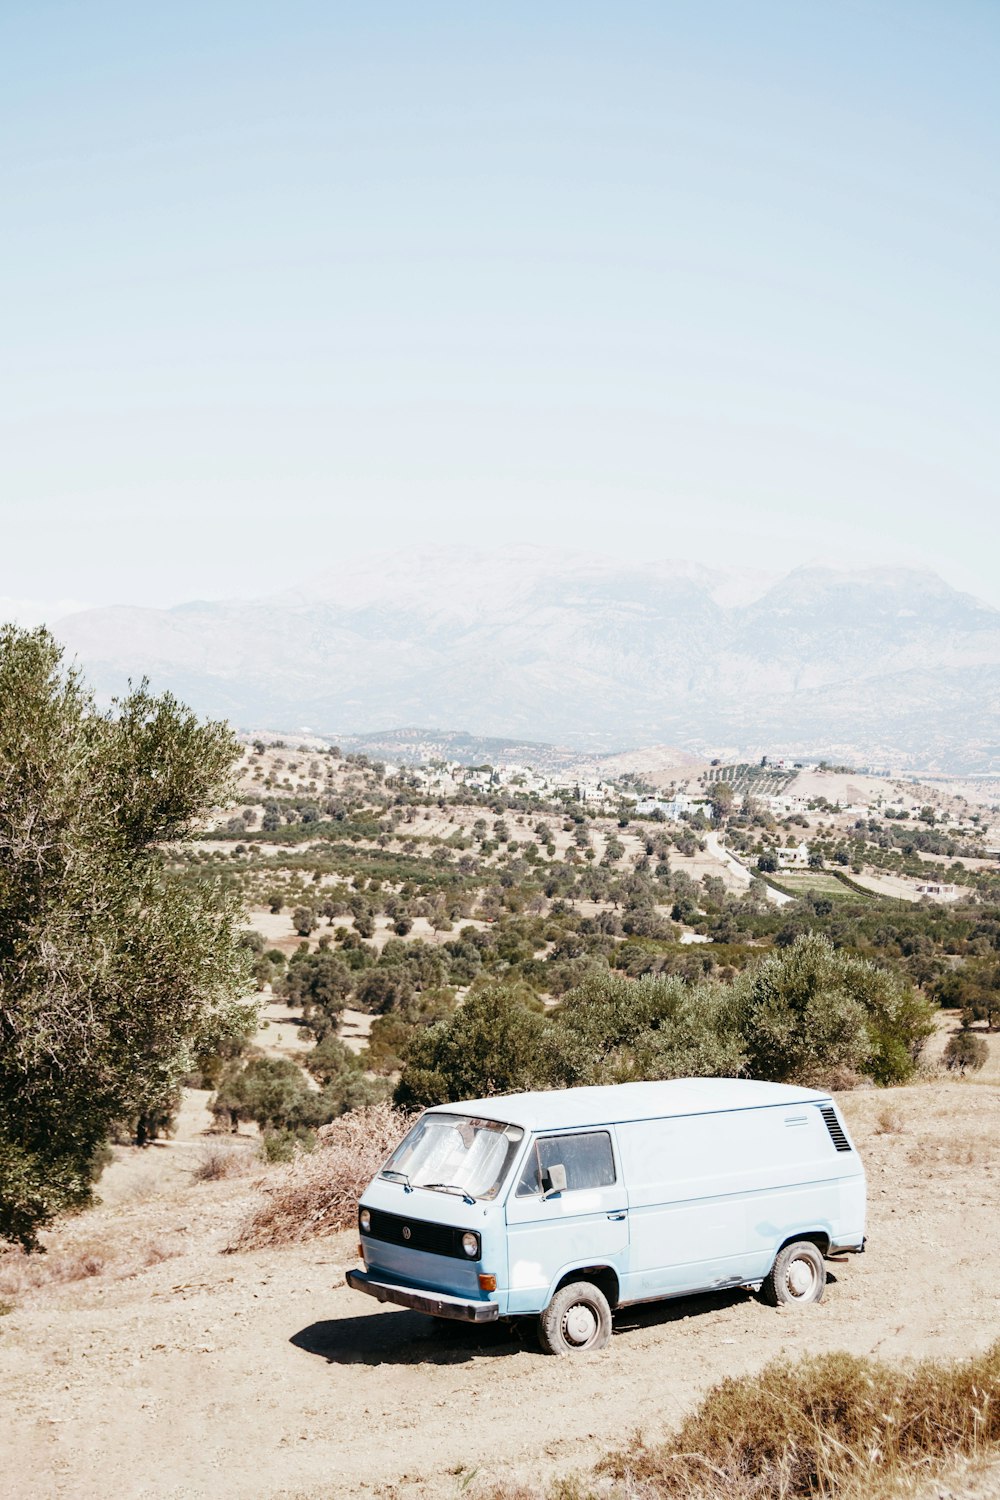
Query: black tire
798, 1275
578, 1318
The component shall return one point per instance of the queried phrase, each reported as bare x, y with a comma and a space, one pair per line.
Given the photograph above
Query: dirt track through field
263, 1375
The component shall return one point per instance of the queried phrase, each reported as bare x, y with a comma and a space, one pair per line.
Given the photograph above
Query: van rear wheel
798, 1275
577, 1318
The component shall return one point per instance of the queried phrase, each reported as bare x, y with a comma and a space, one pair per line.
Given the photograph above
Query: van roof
560, 1109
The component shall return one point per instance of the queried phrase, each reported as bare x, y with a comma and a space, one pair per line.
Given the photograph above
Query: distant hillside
411, 747
591, 654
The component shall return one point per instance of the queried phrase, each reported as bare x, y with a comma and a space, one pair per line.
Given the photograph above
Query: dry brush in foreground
828, 1426
318, 1193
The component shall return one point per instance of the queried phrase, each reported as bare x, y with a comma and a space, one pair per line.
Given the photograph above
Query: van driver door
560, 1218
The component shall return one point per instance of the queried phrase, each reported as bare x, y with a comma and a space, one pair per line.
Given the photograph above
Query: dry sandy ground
886, 884
203, 1374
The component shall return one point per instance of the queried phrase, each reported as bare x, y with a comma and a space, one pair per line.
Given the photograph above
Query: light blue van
565, 1205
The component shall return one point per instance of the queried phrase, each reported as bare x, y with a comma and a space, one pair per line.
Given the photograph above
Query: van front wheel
577, 1318
798, 1275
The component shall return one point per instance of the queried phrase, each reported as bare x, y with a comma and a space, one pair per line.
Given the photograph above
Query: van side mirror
556, 1175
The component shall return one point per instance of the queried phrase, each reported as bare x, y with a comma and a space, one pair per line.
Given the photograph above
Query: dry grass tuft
21, 1273
318, 1194
155, 1252
889, 1121
953, 1150
220, 1159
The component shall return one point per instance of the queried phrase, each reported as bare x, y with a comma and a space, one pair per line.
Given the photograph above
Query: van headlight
470, 1244
365, 1220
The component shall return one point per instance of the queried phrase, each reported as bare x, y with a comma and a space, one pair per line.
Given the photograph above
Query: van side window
588, 1160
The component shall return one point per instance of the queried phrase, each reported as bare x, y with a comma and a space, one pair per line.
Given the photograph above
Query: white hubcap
800, 1278
579, 1324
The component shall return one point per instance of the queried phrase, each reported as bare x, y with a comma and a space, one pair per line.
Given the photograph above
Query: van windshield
455, 1152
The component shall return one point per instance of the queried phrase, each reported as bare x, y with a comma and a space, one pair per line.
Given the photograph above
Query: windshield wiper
448, 1187
395, 1172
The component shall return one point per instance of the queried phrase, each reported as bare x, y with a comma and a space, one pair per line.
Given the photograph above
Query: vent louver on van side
835, 1128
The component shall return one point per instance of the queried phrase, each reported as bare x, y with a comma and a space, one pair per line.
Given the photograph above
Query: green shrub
612, 1030
279, 1146
965, 1052
496, 1043
816, 1014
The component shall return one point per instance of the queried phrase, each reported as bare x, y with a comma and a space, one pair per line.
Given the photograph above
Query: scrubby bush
345, 1083
219, 1159
817, 1426
815, 1014
382, 989
498, 1042
965, 1052
269, 1090
278, 1147
391, 1034
613, 1030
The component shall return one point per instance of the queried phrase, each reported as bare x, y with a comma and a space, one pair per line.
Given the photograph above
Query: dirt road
260, 1375
743, 877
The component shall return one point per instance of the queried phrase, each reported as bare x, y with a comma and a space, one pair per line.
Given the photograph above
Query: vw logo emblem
406, 1231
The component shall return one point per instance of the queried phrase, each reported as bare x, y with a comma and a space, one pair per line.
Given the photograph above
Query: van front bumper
438, 1304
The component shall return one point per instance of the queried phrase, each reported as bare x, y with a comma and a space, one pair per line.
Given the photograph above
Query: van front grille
835, 1128
416, 1234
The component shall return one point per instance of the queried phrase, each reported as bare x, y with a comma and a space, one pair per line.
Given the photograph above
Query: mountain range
881, 664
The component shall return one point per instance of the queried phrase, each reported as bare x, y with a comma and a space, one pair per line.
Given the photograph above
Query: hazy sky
288, 282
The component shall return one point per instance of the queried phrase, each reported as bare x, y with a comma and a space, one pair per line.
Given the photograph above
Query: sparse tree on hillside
965, 1052
113, 974
320, 983
721, 800
304, 920
383, 989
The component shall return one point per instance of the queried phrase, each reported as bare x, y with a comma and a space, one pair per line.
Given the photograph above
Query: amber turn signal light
487, 1283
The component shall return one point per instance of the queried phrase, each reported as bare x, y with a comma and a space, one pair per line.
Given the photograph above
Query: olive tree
498, 1042
114, 975
812, 1013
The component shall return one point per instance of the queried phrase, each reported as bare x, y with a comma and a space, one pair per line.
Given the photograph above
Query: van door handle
618, 1217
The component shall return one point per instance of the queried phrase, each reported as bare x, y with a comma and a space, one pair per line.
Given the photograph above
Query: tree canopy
113, 974
808, 1014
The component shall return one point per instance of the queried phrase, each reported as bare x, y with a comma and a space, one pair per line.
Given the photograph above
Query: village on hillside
914, 838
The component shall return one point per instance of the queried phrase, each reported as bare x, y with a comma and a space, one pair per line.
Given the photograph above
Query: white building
938, 890
678, 806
